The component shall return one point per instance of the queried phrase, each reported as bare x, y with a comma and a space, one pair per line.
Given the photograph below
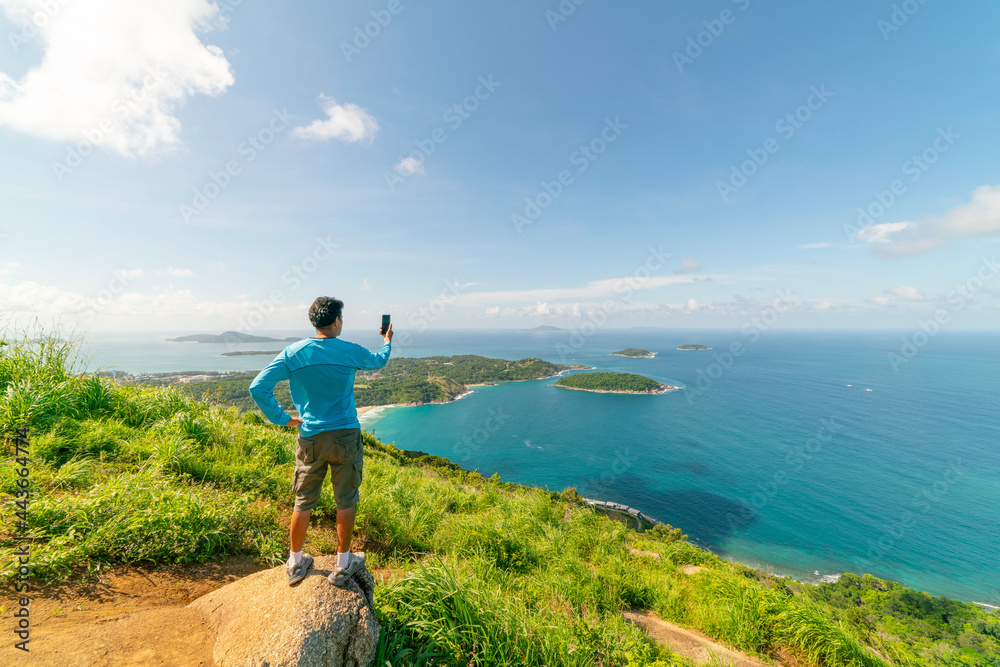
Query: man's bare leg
345, 529
297, 529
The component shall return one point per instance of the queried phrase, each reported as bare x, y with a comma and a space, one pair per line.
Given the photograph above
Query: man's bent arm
367, 361
262, 391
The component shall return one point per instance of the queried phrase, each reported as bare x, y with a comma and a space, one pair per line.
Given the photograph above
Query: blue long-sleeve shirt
320, 374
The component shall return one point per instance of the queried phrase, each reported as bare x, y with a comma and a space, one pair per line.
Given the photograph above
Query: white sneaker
340, 575
297, 573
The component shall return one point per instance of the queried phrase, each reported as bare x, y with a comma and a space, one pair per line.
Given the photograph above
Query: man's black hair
324, 311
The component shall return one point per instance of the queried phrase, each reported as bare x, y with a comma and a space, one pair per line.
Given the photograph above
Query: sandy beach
370, 413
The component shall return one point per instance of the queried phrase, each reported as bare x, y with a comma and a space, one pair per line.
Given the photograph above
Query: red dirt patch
135, 616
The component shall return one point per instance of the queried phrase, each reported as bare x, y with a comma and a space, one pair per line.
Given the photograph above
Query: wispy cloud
159, 305
345, 122
115, 83
178, 272
907, 292
8, 268
409, 166
813, 246
978, 217
597, 289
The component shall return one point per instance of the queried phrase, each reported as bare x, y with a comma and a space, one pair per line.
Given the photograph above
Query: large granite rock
261, 621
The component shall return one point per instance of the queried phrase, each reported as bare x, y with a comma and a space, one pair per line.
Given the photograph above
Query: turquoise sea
779, 457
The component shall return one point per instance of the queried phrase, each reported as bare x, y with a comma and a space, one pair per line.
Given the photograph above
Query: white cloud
981, 216
813, 246
9, 267
365, 285
881, 300
614, 288
575, 310
32, 297
689, 265
883, 233
692, 305
345, 122
156, 309
978, 217
113, 71
409, 166
907, 292
178, 272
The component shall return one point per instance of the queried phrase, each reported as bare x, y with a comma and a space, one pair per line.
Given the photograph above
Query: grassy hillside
492, 573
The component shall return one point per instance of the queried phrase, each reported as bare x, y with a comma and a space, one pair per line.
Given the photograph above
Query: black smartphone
385, 324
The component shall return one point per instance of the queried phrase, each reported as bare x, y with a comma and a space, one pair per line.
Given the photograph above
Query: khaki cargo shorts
343, 452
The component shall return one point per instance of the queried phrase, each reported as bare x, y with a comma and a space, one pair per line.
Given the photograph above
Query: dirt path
690, 644
135, 618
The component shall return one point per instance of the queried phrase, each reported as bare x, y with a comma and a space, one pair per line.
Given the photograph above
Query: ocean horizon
809, 453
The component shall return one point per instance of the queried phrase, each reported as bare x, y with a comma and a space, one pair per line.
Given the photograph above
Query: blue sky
417, 171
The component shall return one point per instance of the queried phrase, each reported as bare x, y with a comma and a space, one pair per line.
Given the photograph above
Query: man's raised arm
367, 361
262, 391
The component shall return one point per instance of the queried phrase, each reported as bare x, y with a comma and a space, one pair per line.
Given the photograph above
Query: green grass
487, 572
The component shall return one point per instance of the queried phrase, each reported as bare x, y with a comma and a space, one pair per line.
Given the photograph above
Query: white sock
294, 557
343, 559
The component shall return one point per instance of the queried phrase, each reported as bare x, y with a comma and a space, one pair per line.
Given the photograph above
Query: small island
612, 383
252, 353
693, 347
634, 352
230, 337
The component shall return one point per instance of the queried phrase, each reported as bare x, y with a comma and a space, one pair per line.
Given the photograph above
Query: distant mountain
546, 327
230, 337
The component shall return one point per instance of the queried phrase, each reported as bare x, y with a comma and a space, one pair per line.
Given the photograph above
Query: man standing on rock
320, 373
